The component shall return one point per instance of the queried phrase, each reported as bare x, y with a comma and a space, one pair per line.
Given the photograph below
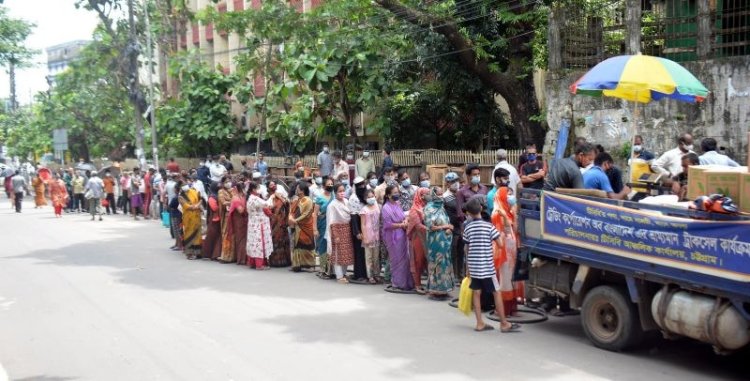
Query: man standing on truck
566, 172
596, 177
670, 163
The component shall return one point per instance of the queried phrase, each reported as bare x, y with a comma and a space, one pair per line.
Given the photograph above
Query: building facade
60, 56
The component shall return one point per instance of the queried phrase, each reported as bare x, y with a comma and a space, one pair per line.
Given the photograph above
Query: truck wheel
610, 320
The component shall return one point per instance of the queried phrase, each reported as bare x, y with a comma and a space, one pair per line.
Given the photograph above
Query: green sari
439, 266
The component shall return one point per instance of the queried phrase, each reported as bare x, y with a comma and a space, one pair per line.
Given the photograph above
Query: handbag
465, 296
88, 195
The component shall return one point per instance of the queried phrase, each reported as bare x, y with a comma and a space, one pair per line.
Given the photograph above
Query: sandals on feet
485, 328
342, 280
514, 327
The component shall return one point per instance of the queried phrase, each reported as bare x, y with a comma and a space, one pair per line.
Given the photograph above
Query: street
83, 300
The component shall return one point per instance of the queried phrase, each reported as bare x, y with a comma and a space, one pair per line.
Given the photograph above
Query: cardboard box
705, 180
744, 198
437, 173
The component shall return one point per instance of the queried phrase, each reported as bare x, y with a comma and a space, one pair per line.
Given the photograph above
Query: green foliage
13, 34
25, 133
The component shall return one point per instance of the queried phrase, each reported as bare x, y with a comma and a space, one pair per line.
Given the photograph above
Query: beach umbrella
640, 79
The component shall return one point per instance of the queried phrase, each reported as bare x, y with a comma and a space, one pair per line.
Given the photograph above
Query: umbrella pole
632, 140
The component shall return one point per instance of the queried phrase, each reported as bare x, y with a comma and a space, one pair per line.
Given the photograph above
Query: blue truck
632, 268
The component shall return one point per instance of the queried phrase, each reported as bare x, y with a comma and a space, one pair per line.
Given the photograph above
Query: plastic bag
464, 296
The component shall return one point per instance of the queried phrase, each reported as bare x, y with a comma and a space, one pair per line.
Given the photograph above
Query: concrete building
60, 56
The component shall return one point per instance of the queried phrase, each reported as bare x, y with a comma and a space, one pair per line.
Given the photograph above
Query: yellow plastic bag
464, 296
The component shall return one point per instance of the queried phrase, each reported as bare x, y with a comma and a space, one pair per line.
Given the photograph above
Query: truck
631, 268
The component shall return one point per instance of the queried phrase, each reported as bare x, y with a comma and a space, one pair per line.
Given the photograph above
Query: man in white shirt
262, 189
670, 163
710, 156
364, 165
515, 179
340, 167
217, 170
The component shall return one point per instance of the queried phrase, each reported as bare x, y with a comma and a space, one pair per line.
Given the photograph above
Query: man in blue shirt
596, 177
261, 166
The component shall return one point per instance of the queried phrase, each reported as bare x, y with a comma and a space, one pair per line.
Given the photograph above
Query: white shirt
169, 188
514, 179
217, 171
586, 168
339, 168
201, 188
670, 162
713, 157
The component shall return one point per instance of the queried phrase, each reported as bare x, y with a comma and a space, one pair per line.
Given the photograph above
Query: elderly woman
302, 219
278, 202
439, 238
259, 242
339, 232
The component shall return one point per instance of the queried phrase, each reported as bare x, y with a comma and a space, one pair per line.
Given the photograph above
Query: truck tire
610, 319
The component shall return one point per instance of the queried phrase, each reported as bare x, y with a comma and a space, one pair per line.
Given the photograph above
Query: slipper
420, 291
514, 327
342, 281
485, 328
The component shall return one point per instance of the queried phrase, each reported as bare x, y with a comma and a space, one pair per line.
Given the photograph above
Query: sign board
60, 139
718, 248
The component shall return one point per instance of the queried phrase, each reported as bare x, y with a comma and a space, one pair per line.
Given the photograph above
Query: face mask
373, 182
325, 149
228, 186
366, 154
395, 197
503, 183
329, 189
476, 180
349, 157
424, 183
388, 178
345, 181
371, 201
512, 200
689, 147
531, 157
637, 148
454, 186
406, 183
318, 180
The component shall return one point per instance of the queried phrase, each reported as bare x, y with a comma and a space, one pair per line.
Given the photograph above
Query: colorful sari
505, 260
38, 185
339, 231
304, 233
212, 243
281, 257
439, 265
227, 247
58, 195
395, 242
416, 232
321, 243
190, 201
237, 220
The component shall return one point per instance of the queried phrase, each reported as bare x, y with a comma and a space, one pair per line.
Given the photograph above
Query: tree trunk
12, 78
516, 89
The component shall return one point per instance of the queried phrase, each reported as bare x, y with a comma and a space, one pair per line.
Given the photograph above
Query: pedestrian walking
94, 195
19, 187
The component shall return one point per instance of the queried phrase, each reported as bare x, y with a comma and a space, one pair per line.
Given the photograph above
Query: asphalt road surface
83, 300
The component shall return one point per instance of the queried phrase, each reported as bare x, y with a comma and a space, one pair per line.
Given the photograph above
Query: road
83, 300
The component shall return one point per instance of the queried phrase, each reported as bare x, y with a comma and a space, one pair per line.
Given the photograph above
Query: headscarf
434, 212
416, 213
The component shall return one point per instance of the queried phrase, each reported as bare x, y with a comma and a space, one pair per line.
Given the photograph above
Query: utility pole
150, 53
134, 92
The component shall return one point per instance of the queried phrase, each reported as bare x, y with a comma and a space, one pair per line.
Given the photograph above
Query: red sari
505, 257
281, 255
58, 195
212, 243
416, 231
237, 228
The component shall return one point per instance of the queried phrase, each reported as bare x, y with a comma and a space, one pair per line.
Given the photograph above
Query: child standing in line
478, 237
370, 236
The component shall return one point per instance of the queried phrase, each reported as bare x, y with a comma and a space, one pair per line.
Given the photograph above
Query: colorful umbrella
641, 79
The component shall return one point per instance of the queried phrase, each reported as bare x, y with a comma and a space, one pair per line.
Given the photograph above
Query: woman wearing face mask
259, 241
302, 219
503, 217
321, 208
424, 180
372, 181
439, 238
357, 201
407, 190
238, 221
416, 232
190, 200
212, 243
370, 228
176, 217
339, 233
278, 202
225, 202
394, 235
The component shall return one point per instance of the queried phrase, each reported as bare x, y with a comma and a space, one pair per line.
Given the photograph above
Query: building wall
724, 115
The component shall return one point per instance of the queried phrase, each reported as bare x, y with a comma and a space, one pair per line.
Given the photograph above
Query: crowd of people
415, 238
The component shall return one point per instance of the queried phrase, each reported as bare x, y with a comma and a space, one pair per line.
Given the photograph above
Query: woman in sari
302, 219
238, 223
190, 200
416, 232
175, 218
212, 243
394, 235
439, 238
58, 194
38, 184
225, 202
339, 232
278, 202
503, 217
321, 207
259, 242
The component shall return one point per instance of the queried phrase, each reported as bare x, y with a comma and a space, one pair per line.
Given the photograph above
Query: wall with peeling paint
724, 115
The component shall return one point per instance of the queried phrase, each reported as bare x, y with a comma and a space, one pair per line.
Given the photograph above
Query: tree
500, 55
13, 52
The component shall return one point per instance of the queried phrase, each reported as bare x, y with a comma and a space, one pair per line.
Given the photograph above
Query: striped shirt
479, 234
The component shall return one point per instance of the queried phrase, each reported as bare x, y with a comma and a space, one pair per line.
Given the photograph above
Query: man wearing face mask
325, 161
502, 162
317, 185
640, 152
533, 171
407, 190
566, 172
472, 188
364, 165
501, 179
596, 177
670, 163
389, 178
340, 167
